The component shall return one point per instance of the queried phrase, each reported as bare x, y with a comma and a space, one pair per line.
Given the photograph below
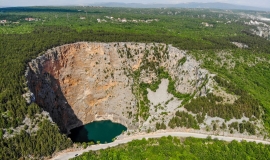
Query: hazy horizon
13, 3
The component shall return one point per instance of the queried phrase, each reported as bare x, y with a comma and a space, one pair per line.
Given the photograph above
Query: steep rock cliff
83, 82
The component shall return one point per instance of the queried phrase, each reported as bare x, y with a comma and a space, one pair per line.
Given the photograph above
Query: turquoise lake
103, 131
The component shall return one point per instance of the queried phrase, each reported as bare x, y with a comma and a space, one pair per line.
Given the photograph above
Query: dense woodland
174, 148
19, 43
245, 105
44, 142
183, 119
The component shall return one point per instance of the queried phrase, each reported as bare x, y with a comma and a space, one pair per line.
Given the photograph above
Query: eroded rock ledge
83, 82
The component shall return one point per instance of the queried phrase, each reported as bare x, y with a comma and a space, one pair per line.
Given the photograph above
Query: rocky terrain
135, 84
262, 29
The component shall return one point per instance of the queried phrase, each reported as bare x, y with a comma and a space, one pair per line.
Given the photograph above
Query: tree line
181, 148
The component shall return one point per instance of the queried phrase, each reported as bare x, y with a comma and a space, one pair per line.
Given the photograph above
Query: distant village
29, 19
124, 20
106, 19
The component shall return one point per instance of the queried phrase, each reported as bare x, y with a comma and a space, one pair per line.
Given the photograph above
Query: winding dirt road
68, 155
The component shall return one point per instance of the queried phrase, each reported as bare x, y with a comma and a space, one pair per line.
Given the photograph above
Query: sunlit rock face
83, 82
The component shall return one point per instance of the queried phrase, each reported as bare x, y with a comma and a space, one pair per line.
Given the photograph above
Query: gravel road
68, 155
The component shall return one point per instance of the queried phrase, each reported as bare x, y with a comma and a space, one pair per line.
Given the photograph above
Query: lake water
103, 131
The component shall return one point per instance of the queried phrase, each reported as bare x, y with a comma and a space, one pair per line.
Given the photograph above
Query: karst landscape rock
139, 85
83, 82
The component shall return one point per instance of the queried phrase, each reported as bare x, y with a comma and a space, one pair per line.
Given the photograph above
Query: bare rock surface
84, 82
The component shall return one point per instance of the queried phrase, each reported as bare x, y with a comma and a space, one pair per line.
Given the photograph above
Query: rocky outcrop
83, 82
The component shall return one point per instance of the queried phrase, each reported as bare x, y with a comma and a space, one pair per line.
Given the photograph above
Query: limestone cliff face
82, 82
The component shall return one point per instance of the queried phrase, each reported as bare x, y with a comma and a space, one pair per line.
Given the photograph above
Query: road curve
68, 155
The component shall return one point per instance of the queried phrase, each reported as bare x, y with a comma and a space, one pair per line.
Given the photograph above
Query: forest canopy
175, 148
22, 40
